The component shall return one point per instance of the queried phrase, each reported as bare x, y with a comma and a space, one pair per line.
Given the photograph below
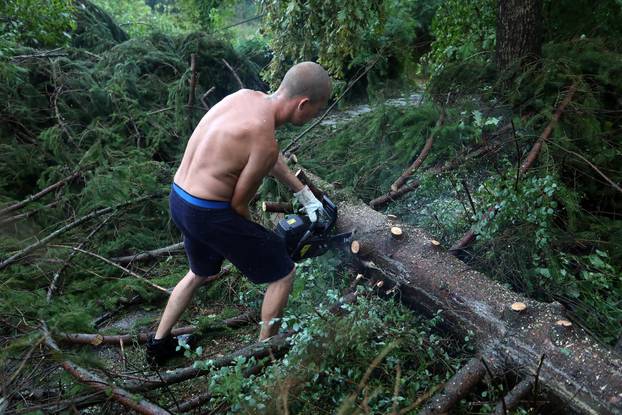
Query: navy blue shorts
213, 231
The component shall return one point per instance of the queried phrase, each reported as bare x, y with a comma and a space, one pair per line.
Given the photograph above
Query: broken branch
17, 256
457, 387
98, 339
122, 396
39, 194
235, 75
391, 196
147, 255
114, 264
422, 155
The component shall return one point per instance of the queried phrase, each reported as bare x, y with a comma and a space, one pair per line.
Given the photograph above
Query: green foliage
532, 201
462, 30
332, 31
330, 355
140, 20
36, 23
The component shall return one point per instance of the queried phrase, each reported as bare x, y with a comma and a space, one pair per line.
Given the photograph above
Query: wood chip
391, 217
435, 243
359, 277
518, 306
563, 323
379, 283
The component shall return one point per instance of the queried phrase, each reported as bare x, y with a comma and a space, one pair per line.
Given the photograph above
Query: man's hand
310, 204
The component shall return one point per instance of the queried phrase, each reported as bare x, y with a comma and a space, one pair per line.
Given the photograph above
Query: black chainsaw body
306, 239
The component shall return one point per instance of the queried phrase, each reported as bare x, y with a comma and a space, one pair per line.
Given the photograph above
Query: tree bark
578, 370
514, 396
456, 388
519, 32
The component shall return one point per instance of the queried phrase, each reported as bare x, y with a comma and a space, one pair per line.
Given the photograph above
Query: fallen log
98, 339
577, 370
148, 255
121, 395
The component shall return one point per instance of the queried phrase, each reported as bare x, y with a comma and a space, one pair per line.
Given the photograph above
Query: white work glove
309, 203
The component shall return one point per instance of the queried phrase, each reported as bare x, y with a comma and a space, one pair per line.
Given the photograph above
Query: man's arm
282, 173
258, 165
301, 192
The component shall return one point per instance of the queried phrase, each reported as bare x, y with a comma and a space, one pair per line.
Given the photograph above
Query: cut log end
396, 232
379, 284
292, 159
435, 243
518, 307
563, 323
355, 248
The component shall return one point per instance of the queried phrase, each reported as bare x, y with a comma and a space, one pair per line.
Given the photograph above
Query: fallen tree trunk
98, 339
577, 370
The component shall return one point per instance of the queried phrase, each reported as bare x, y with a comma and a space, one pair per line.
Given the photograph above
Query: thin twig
109, 262
237, 78
58, 273
611, 182
39, 194
20, 254
291, 146
466, 189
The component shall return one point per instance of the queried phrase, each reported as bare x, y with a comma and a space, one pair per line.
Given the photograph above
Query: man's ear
302, 103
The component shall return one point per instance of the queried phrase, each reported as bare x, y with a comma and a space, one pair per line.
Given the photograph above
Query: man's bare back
231, 150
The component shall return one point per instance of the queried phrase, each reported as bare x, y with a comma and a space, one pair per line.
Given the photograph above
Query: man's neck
280, 109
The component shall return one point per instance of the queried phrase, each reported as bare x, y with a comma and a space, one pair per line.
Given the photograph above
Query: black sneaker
161, 350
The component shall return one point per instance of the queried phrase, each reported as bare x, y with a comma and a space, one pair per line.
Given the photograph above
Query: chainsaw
305, 239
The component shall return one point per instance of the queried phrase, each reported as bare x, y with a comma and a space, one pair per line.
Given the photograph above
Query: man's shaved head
306, 79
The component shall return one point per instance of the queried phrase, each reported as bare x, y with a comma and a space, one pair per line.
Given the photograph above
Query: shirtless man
231, 150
